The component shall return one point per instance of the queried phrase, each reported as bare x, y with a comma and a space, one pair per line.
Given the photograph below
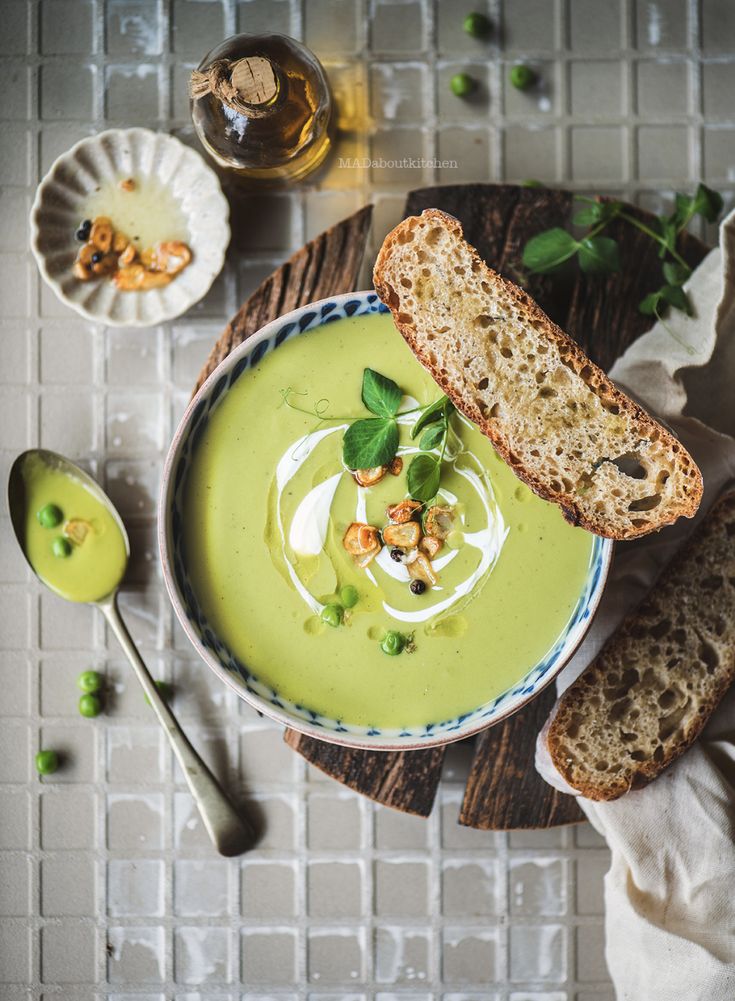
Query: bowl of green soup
350, 554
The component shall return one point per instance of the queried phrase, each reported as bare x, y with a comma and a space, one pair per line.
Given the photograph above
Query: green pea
462, 84
164, 690
90, 682
349, 596
47, 762
49, 515
393, 643
332, 614
61, 547
477, 25
90, 706
522, 77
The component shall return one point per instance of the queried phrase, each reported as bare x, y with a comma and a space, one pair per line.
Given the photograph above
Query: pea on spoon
52, 501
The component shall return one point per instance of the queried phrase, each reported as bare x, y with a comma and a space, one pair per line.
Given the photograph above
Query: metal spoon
230, 833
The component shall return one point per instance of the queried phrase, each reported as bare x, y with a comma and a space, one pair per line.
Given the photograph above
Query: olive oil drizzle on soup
267, 502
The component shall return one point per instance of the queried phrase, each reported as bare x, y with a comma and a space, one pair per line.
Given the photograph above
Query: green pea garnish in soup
335, 469
72, 540
49, 516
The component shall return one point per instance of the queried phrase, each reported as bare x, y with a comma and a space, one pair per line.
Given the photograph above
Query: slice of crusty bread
654, 684
553, 416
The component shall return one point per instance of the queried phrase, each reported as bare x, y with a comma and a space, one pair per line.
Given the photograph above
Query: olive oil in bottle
262, 107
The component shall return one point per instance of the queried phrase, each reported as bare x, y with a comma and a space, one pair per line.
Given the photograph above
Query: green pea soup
266, 504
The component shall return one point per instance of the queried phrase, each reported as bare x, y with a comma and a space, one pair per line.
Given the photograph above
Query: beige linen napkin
670, 891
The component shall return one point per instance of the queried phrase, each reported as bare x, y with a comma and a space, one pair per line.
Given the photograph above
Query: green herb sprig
598, 254
373, 441
424, 470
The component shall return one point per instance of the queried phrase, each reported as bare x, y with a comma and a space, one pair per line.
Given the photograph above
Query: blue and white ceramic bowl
236, 674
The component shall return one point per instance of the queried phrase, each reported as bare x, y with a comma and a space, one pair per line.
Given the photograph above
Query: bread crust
709, 554
573, 357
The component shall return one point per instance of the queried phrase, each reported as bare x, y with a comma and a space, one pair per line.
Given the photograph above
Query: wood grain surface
327, 265
503, 790
405, 780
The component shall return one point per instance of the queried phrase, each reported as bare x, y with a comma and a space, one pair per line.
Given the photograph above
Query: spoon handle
230, 833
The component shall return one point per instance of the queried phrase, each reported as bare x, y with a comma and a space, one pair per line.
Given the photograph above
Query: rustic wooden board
503, 790
327, 265
405, 780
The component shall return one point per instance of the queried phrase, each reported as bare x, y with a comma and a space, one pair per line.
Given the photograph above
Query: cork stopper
254, 79
250, 86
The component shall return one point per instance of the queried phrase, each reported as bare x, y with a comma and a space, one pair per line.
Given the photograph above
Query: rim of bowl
35, 229
379, 742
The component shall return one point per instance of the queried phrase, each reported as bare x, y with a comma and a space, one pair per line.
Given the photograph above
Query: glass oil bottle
262, 107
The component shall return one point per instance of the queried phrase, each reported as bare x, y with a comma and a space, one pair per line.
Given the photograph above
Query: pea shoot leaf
588, 216
649, 304
596, 212
683, 210
380, 395
442, 407
667, 295
707, 203
370, 442
433, 437
675, 273
599, 254
545, 252
424, 474
677, 297
704, 202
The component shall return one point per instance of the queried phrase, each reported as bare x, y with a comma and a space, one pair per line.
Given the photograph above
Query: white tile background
108, 888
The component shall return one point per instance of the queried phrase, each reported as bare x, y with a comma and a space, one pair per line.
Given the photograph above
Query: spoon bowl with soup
75, 542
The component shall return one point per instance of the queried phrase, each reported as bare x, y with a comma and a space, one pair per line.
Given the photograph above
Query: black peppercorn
84, 230
417, 586
397, 555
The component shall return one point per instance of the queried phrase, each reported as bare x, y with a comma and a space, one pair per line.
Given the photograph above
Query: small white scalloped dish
59, 207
